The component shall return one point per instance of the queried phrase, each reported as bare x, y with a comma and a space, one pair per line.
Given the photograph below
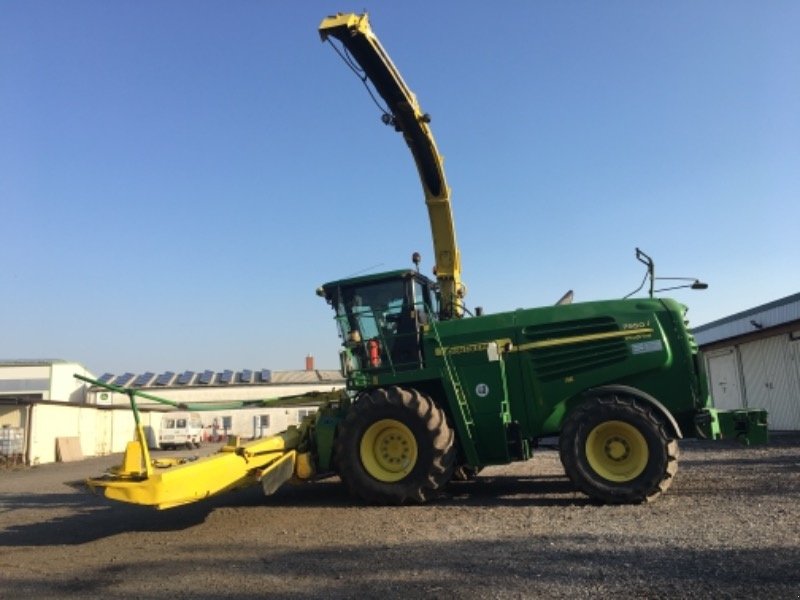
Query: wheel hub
617, 451
388, 450
393, 449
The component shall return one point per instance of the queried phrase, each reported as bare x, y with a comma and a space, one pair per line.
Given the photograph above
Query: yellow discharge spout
168, 483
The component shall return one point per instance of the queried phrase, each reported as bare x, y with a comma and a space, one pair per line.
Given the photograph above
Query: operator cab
379, 319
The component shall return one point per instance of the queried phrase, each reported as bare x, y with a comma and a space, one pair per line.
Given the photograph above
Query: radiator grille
556, 362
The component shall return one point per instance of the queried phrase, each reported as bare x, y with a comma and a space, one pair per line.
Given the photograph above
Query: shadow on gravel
483, 491
91, 517
506, 490
552, 565
749, 462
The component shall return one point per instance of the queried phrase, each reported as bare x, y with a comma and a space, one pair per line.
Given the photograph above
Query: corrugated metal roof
295, 377
779, 312
333, 376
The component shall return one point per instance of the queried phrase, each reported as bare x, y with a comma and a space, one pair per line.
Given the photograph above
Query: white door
770, 379
725, 380
794, 360
794, 376
103, 432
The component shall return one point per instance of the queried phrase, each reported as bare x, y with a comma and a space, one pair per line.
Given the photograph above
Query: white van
180, 429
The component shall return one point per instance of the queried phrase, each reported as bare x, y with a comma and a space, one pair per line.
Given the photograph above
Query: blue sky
176, 178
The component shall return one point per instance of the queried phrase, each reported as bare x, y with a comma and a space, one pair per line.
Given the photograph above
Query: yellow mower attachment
165, 483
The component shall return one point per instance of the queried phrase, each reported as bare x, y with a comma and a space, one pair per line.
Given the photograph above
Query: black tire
395, 446
617, 450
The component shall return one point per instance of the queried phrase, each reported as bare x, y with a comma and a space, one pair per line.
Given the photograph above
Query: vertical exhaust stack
309, 363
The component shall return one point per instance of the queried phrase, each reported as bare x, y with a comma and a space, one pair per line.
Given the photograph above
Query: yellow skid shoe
166, 483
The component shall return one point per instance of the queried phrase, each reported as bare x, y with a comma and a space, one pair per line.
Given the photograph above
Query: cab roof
373, 278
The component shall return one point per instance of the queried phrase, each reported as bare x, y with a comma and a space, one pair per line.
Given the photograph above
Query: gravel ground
728, 527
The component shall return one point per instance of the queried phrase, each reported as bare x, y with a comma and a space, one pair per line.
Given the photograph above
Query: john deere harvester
434, 392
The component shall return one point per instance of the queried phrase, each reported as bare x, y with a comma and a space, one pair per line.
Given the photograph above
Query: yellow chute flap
276, 474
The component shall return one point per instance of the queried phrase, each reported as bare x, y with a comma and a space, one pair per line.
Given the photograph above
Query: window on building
227, 423
302, 413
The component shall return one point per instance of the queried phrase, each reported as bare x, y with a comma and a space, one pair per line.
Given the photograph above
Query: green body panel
324, 434
748, 426
550, 357
511, 378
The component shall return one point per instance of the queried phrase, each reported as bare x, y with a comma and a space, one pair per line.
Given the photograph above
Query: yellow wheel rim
617, 451
388, 450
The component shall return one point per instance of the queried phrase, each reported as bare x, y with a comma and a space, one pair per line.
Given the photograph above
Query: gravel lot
728, 527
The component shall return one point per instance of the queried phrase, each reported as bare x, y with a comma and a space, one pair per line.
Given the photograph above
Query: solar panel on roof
144, 378
124, 379
165, 378
265, 375
226, 376
246, 376
106, 377
206, 377
185, 377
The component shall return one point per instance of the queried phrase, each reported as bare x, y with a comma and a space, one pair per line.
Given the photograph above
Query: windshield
379, 321
365, 309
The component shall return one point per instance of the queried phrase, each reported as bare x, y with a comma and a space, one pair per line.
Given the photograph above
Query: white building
42, 380
42, 405
753, 360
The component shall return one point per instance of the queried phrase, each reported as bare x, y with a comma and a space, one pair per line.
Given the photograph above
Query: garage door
770, 378
725, 380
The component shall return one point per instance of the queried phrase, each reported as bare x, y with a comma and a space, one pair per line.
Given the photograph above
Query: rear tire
395, 446
616, 450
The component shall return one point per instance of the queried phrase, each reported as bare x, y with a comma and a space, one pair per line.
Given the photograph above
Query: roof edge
746, 313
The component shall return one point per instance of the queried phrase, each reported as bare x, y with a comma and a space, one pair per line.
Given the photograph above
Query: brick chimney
309, 363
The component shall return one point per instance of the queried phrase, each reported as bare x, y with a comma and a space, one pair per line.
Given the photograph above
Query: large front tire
616, 450
395, 446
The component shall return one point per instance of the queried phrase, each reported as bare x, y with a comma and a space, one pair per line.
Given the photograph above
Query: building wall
99, 434
64, 386
49, 421
47, 380
759, 373
12, 416
107, 430
25, 380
